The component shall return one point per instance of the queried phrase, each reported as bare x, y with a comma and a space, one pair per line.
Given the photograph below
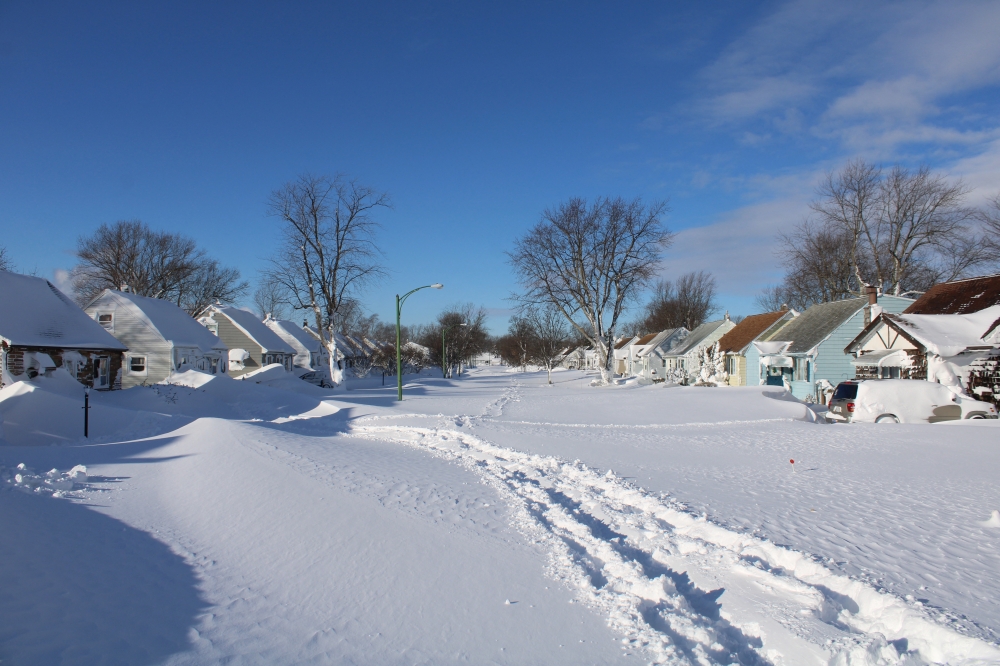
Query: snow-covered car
903, 401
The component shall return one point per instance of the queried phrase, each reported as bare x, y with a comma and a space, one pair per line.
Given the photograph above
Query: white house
309, 351
41, 330
650, 361
160, 336
936, 347
686, 356
623, 355
252, 345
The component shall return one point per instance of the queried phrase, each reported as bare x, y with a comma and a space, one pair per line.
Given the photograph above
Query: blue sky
475, 117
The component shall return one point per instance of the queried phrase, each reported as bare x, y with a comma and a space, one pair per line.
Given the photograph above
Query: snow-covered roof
289, 329
34, 313
657, 340
696, 337
255, 329
165, 318
947, 334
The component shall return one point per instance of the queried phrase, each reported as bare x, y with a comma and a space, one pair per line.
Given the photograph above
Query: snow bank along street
488, 519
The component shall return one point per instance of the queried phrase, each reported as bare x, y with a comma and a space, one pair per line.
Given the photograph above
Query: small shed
41, 329
160, 336
252, 345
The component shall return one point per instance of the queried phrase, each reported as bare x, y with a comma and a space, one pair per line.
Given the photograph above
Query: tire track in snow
643, 561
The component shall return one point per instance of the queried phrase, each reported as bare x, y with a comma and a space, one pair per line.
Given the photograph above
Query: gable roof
749, 330
654, 345
624, 342
255, 329
289, 329
646, 339
36, 314
168, 320
816, 324
943, 335
696, 337
958, 297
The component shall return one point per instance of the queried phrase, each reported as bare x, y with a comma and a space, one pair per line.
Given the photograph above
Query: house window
137, 365
801, 369
889, 373
107, 320
213, 329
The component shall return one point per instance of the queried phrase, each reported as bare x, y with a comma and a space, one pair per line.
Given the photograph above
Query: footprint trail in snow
681, 589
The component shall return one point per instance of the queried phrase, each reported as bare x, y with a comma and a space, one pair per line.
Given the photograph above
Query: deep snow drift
488, 519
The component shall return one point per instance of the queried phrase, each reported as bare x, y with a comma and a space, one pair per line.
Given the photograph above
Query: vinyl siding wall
140, 339
830, 362
234, 338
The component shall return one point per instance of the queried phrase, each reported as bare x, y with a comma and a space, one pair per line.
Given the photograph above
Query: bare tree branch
591, 260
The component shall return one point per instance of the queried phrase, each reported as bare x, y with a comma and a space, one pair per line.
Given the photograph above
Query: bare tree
687, 303
591, 261
514, 347
128, 254
991, 217
270, 299
464, 328
5, 262
210, 283
919, 211
898, 229
549, 335
329, 251
848, 207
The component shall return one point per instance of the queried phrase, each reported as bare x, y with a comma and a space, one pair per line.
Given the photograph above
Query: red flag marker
793, 463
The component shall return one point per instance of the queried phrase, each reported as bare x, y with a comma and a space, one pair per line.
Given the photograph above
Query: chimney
305, 323
872, 310
784, 307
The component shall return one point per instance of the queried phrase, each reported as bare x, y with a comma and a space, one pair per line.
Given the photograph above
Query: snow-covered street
492, 519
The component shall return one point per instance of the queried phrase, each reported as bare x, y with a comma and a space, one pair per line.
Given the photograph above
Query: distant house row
951, 335
120, 339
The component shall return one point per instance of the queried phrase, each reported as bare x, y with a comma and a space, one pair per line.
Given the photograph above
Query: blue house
807, 354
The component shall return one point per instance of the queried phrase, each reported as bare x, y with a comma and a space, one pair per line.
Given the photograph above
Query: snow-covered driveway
480, 521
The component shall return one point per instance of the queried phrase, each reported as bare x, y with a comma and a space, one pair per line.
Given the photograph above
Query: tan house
252, 345
738, 343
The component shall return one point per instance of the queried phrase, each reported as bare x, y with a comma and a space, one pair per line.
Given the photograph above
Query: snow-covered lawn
489, 519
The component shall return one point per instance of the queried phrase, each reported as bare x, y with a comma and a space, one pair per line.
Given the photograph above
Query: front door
102, 372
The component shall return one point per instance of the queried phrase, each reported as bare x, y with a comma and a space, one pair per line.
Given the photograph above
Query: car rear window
846, 392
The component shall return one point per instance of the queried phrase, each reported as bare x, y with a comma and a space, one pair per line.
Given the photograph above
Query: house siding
829, 361
131, 328
234, 338
140, 339
752, 372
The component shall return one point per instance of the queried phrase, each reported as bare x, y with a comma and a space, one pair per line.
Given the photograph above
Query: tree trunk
336, 373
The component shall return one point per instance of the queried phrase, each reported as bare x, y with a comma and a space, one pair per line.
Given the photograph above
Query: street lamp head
437, 285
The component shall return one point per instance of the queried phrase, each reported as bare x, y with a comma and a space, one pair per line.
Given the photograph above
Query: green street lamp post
399, 356
444, 349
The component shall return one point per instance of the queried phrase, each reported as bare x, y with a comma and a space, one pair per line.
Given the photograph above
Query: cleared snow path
679, 588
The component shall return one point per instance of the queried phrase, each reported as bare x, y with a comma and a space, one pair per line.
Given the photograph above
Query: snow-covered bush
713, 367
